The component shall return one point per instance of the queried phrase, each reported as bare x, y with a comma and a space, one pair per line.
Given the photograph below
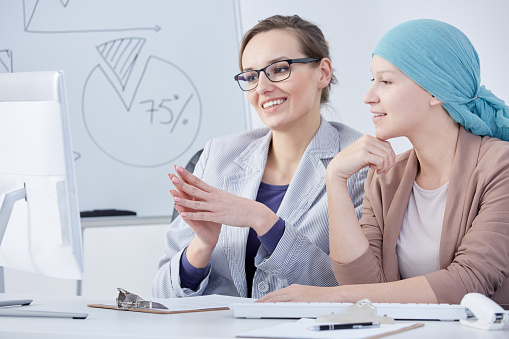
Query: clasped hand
366, 151
199, 203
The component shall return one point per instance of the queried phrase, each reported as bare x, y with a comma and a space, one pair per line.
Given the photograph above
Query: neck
435, 150
285, 152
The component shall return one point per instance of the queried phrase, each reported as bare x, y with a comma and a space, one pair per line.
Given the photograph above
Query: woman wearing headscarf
435, 220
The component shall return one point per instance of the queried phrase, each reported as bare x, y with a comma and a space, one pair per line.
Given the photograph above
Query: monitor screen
39, 213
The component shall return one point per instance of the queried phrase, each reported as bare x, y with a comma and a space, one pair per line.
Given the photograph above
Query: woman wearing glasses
253, 217
435, 219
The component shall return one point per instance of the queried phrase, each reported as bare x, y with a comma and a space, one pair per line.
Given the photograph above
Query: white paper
202, 302
300, 330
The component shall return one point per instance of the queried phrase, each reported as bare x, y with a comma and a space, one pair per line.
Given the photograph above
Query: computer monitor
40, 229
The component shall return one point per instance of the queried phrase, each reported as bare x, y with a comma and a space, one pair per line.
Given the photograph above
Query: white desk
103, 323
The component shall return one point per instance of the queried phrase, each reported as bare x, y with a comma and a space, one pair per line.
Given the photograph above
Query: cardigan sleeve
368, 267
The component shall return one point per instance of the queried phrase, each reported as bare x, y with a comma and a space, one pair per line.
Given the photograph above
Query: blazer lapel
244, 183
394, 218
465, 161
456, 210
309, 180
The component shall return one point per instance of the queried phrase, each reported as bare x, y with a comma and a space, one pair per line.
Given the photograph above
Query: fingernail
177, 199
175, 180
183, 214
179, 169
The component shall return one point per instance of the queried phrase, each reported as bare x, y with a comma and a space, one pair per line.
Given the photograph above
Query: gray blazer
236, 164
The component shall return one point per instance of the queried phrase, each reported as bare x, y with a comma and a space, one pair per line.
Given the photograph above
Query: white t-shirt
418, 244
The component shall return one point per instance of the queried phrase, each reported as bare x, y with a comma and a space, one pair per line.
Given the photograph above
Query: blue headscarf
443, 61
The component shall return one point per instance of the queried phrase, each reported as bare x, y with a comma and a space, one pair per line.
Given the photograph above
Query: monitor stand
6, 308
7, 311
21, 302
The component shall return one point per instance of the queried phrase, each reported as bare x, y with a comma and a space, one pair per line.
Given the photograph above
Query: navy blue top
269, 195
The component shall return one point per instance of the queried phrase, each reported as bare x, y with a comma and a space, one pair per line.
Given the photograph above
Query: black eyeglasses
275, 72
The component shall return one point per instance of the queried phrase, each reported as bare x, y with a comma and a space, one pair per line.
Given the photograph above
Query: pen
330, 327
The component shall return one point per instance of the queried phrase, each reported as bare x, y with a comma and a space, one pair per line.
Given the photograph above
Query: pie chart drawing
151, 124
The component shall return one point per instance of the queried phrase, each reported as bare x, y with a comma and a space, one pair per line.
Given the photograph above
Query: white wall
127, 256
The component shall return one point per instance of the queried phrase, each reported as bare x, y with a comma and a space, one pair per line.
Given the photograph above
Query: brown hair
312, 41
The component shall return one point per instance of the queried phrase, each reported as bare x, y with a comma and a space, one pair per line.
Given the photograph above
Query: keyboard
444, 312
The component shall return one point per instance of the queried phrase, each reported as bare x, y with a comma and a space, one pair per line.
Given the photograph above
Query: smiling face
293, 102
400, 107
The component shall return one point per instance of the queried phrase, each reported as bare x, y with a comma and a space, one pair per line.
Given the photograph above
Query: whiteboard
148, 83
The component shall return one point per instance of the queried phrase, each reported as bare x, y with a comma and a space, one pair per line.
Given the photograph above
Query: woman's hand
366, 151
199, 202
412, 290
207, 233
305, 293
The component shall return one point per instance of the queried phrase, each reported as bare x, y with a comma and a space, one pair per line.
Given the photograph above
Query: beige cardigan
474, 247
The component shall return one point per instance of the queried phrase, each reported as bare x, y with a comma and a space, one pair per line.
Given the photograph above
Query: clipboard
156, 311
127, 301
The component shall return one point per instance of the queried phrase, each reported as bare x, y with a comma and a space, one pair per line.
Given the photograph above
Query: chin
274, 122
385, 134
381, 135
